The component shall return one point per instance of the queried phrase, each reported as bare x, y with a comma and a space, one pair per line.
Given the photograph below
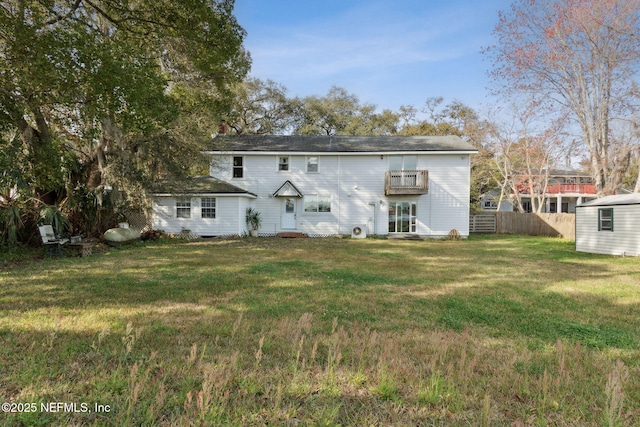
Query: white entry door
289, 214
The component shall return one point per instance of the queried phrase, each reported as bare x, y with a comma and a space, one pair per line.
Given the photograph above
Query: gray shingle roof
618, 199
339, 144
197, 185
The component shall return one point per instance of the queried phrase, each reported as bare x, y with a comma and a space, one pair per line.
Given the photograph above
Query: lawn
494, 330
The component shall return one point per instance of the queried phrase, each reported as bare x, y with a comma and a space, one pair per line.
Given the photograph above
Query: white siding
356, 186
229, 218
361, 181
623, 240
448, 199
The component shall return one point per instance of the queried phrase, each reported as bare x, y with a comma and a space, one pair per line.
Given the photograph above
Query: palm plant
253, 218
51, 215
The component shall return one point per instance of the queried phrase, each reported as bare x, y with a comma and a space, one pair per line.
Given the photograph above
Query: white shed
609, 225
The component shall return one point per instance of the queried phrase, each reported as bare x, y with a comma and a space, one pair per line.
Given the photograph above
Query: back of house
326, 185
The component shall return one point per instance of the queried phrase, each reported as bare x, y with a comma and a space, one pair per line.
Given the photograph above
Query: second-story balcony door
404, 163
403, 178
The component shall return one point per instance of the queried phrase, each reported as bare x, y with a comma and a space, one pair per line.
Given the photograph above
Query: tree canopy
341, 113
261, 107
94, 93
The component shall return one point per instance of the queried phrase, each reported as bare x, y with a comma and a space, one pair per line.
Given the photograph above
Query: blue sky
388, 53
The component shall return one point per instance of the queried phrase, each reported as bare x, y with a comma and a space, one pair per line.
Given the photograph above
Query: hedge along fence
534, 224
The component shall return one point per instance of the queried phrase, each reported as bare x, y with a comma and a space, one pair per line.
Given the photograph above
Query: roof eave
340, 153
247, 194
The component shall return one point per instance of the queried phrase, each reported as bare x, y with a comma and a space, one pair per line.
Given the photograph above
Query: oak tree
261, 107
341, 113
92, 91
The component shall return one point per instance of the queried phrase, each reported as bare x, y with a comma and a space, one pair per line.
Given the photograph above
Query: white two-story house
325, 185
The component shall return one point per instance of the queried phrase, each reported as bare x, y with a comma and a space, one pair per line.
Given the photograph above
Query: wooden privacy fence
482, 224
532, 224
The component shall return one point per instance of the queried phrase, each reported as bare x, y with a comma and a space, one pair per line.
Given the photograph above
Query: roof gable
340, 144
287, 190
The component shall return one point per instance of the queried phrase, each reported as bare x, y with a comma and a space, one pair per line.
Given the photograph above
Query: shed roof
614, 200
339, 144
197, 185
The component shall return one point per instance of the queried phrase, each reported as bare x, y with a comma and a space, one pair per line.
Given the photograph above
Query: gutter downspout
375, 217
339, 195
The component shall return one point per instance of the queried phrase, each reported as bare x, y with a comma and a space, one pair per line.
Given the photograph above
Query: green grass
494, 330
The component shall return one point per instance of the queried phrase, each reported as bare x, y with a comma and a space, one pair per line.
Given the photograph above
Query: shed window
605, 219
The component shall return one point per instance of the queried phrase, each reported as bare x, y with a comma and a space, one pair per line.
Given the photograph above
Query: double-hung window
312, 164
283, 164
208, 207
183, 208
238, 168
605, 219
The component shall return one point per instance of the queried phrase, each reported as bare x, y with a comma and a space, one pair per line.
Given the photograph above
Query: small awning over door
287, 190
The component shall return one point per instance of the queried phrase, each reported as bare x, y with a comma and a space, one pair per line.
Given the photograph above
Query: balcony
560, 189
571, 189
403, 182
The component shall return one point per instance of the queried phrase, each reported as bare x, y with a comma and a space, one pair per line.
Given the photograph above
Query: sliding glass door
402, 217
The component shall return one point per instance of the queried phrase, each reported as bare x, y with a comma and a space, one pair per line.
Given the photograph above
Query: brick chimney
222, 128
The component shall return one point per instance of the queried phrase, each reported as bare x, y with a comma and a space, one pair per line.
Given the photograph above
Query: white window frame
405, 159
314, 202
489, 204
287, 163
413, 216
309, 163
208, 205
183, 207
